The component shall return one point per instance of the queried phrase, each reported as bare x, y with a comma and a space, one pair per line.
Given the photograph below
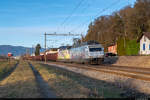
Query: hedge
131, 47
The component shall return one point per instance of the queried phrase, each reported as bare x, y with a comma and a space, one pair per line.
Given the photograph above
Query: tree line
127, 23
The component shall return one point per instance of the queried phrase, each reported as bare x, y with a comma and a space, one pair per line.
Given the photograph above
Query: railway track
132, 72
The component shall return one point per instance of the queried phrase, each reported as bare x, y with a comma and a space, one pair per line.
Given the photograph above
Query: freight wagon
38, 58
51, 56
90, 52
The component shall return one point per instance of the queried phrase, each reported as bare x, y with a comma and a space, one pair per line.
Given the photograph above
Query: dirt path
44, 87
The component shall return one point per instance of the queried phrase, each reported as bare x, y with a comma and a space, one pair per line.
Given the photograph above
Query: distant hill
16, 50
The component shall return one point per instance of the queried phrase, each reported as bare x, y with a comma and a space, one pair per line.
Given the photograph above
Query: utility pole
26, 54
55, 34
124, 41
81, 38
45, 49
98, 36
45, 40
32, 50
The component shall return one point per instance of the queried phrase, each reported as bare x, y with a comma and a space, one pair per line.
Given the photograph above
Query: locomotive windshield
95, 49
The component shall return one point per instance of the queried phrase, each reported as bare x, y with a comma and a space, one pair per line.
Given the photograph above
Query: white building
144, 43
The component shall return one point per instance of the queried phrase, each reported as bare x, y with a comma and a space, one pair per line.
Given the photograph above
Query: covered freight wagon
39, 58
51, 56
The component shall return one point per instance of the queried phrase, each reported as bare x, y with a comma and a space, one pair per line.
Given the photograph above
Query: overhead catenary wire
62, 40
78, 5
84, 26
84, 9
68, 17
103, 10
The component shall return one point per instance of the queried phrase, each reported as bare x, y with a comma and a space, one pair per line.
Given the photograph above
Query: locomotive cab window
95, 49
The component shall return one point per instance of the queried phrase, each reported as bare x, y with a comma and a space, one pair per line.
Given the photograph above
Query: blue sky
24, 22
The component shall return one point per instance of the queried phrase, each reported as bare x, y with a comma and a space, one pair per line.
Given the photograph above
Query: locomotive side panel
87, 54
78, 54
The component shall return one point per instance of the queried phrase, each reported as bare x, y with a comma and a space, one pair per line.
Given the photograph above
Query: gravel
136, 86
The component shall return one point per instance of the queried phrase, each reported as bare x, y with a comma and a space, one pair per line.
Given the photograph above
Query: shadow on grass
20, 89
11, 70
106, 88
44, 87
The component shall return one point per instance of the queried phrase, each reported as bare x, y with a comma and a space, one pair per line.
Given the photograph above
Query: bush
120, 47
131, 47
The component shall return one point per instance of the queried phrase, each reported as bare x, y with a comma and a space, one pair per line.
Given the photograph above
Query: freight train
90, 52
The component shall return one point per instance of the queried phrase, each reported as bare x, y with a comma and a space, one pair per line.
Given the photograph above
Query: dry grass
63, 86
134, 61
6, 67
2, 62
71, 85
20, 84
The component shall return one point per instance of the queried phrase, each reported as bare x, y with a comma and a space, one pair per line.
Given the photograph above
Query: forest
123, 27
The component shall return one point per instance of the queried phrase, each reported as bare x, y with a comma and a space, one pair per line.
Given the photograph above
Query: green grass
130, 47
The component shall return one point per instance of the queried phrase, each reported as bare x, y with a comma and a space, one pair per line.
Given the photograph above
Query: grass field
20, 83
71, 85
5, 67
